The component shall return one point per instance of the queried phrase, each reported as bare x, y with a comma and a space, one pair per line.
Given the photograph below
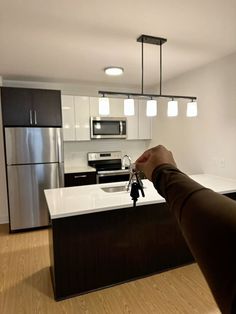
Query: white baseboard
4, 220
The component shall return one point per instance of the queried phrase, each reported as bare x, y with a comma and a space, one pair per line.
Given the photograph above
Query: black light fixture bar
146, 39
145, 95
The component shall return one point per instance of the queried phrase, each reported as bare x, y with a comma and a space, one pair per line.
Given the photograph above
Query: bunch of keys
135, 183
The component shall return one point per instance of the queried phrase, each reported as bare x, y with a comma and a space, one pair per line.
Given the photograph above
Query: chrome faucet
123, 161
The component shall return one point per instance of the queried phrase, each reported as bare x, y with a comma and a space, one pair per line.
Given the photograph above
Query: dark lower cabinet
80, 178
97, 250
31, 107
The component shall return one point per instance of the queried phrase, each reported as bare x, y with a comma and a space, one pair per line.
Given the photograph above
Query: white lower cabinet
75, 117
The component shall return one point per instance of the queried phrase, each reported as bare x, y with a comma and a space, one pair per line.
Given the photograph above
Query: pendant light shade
104, 108
172, 110
129, 107
192, 109
151, 108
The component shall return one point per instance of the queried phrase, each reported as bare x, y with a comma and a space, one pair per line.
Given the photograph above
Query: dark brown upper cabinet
31, 107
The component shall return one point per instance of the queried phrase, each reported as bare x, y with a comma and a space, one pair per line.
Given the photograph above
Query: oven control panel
104, 155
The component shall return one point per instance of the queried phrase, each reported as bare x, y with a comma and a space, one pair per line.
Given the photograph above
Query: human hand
153, 158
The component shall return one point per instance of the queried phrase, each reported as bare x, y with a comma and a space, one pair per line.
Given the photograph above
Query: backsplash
75, 153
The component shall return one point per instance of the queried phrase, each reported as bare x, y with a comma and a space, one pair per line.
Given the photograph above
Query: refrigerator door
33, 145
27, 203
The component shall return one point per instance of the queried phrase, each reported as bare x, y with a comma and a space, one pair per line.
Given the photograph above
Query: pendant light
129, 107
173, 104
191, 109
172, 108
151, 108
104, 107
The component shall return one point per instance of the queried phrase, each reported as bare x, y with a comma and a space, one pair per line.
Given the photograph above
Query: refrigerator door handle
35, 117
30, 116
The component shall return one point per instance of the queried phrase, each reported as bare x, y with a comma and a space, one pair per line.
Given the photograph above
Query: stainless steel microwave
107, 127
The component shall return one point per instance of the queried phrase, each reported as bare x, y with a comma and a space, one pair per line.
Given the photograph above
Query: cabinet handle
35, 117
30, 114
80, 176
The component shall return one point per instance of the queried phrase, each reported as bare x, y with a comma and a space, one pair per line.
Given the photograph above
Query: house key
136, 184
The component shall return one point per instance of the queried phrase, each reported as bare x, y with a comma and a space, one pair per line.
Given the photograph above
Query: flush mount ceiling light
146, 39
114, 71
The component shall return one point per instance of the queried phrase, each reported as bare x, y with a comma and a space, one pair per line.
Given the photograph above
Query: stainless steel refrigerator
34, 161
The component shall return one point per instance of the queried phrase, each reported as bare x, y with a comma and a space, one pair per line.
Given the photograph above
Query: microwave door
108, 128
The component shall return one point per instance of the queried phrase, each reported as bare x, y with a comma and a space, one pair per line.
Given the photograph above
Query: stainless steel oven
107, 127
108, 166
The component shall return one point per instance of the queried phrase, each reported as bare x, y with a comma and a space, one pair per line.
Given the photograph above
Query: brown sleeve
208, 223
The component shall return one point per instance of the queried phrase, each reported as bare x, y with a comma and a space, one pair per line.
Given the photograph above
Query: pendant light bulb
104, 108
172, 110
129, 107
151, 108
191, 109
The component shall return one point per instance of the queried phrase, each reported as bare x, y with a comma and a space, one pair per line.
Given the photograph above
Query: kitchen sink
118, 188
112, 189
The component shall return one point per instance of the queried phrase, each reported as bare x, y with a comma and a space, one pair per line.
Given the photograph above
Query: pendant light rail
138, 95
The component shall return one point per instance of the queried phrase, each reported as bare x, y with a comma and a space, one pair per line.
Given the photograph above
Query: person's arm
207, 220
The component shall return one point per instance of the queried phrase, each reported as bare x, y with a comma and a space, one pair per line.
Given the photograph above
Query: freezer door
33, 145
27, 203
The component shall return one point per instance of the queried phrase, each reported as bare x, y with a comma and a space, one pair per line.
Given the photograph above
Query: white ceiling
74, 40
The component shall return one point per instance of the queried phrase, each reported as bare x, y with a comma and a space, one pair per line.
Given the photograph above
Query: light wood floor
25, 285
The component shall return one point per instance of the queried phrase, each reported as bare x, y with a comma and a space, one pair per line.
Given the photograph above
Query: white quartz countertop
75, 169
78, 200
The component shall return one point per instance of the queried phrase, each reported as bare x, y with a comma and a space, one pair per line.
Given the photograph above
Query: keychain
136, 184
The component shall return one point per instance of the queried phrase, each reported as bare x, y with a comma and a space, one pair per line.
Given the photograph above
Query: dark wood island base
97, 250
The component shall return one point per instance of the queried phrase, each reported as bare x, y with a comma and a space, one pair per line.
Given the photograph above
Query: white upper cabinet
75, 117
139, 126
68, 117
144, 122
94, 104
82, 127
116, 107
132, 123
77, 110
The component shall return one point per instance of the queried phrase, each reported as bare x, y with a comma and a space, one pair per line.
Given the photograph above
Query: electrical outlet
222, 163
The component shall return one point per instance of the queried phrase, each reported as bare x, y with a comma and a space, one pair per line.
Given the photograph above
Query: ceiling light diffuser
114, 71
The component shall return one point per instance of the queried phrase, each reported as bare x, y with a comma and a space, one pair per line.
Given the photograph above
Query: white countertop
74, 169
71, 201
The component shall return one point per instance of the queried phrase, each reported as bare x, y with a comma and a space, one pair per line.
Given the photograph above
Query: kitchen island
97, 239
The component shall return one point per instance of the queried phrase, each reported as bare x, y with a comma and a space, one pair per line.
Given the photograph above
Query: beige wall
206, 143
